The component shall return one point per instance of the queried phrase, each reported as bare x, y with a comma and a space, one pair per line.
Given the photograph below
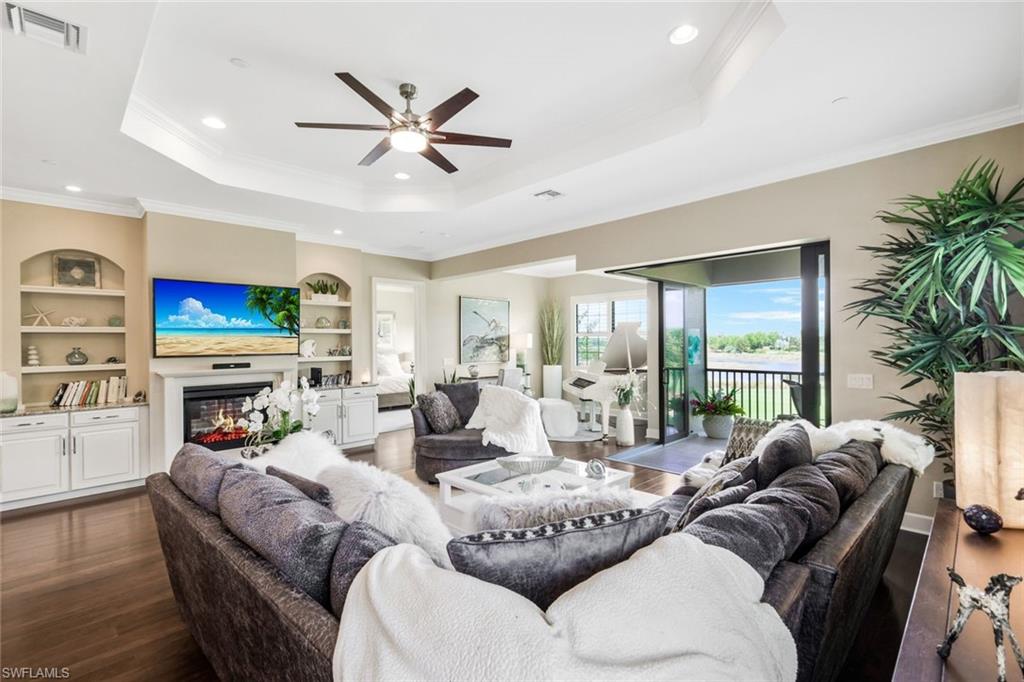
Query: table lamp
989, 443
521, 342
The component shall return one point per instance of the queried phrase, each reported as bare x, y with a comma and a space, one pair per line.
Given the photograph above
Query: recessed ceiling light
239, 62
73, 188
681, 35
214, 122
840, 100
402, 176
49, 162
339, 232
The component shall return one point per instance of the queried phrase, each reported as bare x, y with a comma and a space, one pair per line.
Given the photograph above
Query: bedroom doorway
398, 341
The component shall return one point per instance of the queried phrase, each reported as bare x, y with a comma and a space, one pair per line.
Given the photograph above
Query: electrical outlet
861, 381
937, 489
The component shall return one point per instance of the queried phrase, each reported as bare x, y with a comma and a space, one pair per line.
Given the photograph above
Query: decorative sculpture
983, 520
39, 316
994, 602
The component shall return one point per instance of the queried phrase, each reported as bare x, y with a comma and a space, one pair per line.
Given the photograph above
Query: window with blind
597, 319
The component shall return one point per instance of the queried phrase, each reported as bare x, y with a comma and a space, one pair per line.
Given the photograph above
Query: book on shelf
58, 395
110, 391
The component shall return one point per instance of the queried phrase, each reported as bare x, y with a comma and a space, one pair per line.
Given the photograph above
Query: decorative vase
474, 371
718, 426
324, 298
76, 357
32, 356
624, 426
323, 323
552, 381
8, 393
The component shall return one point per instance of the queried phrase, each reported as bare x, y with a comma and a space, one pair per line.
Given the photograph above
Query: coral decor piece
994, 602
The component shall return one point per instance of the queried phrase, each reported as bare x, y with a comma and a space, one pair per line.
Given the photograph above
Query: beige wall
837, 205
525, 295
403, 305
27, 233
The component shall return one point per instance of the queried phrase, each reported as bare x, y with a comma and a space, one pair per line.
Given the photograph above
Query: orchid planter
271, 415
324, 298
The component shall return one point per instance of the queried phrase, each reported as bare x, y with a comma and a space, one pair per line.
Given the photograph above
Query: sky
203, 305
766, 306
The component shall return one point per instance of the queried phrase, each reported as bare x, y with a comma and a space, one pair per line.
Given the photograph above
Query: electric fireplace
212, 414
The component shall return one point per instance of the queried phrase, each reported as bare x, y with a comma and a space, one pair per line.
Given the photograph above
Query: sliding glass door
815, 385
682, 356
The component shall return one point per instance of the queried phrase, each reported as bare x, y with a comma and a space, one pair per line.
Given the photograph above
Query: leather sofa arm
419, 423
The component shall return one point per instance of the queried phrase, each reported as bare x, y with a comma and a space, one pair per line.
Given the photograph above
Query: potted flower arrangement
273, 414
718, 410
625, 391
323, 291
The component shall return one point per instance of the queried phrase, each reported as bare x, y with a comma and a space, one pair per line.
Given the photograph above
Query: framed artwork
483, 329
70, 270
385, 329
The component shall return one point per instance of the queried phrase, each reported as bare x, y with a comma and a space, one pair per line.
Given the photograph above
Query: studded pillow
439, 411
542, 562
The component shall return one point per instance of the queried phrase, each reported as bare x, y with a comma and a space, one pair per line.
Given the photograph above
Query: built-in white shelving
57, 369
72, 330
333, 304
71, 291
325, 330
327, 358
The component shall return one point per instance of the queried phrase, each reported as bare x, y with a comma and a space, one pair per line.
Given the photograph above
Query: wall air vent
548, 195
27, 22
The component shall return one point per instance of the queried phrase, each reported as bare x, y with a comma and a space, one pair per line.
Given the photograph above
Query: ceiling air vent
24, 21
548, 195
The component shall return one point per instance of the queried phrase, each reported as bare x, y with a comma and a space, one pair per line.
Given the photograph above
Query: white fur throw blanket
898, 446
510, 420
676, 610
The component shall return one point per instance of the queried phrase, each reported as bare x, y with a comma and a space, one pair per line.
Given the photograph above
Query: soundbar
232, 365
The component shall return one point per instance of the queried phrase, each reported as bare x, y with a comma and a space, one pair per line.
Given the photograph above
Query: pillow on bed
388, 365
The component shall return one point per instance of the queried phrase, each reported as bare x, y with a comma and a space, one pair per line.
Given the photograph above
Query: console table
976, 558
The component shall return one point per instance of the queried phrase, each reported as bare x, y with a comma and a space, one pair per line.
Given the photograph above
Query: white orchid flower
242, 423
312, 409
303, 383
247, 405
264, 391
261, 402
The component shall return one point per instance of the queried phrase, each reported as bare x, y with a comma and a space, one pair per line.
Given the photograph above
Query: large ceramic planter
624, 433
324, 298
718, 426
552, 382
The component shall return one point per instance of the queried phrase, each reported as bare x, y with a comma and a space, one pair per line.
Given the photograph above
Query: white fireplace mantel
167, 433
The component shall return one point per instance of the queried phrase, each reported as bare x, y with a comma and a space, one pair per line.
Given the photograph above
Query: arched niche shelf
344, 289
40, 269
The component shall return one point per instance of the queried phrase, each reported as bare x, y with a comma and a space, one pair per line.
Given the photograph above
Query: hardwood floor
83, 586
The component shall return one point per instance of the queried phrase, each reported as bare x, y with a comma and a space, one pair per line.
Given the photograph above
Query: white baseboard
917, 523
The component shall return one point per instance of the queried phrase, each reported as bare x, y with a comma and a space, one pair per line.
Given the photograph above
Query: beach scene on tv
209, 318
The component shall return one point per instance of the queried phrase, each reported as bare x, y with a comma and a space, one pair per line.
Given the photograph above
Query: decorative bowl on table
529, 464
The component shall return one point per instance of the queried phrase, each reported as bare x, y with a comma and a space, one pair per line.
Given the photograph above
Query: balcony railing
763, 394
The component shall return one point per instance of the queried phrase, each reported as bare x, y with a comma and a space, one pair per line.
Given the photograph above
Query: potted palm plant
552, 341
944, 295
718, 410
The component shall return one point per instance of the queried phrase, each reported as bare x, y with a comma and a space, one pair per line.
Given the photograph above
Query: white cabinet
32, 464
328, 420
104, 454
358, 416
60, 455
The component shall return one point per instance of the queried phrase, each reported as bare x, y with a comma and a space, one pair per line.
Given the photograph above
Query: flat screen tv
214, 318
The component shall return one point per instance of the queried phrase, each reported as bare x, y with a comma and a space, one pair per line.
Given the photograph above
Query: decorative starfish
40, 316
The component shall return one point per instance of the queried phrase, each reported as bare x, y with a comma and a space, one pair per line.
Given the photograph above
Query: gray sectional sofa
253, 622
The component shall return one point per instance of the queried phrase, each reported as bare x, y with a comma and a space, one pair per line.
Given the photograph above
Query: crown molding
966, 127
128, 209
411, 254
168, 208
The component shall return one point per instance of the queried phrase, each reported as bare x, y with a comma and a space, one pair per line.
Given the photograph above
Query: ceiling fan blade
380, 150
438, 159
448, 108
474, 140
364, 92
341, 126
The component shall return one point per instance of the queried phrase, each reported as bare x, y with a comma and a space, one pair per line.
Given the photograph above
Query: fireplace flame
224, 423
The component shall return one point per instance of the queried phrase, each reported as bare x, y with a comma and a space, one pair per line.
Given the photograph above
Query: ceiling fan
411, 132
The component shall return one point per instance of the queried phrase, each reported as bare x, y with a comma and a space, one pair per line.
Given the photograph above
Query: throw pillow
439, 411
465, 396
199, 472
850, 469
744, 436
804, 487
789, 449
526, 511
722, 498
359, 542
311, 489
736, 472
282, 525
390, 504
541, 563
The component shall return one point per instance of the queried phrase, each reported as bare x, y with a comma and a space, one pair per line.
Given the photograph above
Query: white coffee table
462, 488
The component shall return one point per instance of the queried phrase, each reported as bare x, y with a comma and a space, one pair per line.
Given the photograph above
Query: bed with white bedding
392, 380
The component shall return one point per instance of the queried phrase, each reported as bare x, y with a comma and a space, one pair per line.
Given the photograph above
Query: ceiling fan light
407, 140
